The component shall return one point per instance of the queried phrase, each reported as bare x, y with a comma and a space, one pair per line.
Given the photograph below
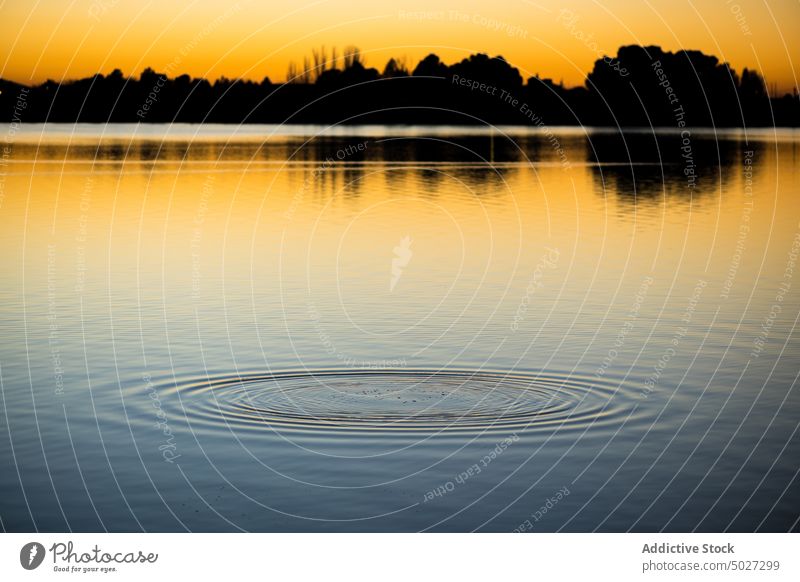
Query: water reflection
320, 344
640, 165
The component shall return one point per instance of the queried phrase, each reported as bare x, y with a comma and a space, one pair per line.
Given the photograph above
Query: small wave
358, 401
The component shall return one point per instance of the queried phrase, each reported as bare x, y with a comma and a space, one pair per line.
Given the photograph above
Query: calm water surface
359, 329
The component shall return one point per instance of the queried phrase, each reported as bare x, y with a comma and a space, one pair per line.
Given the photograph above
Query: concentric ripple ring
401, 400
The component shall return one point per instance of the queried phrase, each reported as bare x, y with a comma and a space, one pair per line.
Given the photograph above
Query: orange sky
63, 39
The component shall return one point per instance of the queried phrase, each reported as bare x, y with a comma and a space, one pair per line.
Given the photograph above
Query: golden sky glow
63, 39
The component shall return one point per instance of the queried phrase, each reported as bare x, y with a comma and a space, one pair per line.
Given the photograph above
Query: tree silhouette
640, 86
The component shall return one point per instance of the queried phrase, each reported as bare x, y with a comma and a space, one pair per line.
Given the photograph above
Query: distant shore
639, 87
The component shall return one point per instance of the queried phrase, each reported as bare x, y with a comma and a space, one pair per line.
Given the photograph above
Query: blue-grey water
213, 328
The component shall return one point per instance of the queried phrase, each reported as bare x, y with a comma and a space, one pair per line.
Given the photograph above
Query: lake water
399, 329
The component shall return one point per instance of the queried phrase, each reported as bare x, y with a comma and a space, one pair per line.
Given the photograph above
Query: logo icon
402, 255
31, 555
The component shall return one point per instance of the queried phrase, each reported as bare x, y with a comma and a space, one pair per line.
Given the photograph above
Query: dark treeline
640, 86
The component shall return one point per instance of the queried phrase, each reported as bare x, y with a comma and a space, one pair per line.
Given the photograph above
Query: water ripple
401, 400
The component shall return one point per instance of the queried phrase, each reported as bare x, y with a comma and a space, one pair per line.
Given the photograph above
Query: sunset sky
65, 39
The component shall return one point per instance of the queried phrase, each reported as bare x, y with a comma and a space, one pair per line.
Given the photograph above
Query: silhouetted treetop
492, 70
640, 85
431, 66
657, 87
